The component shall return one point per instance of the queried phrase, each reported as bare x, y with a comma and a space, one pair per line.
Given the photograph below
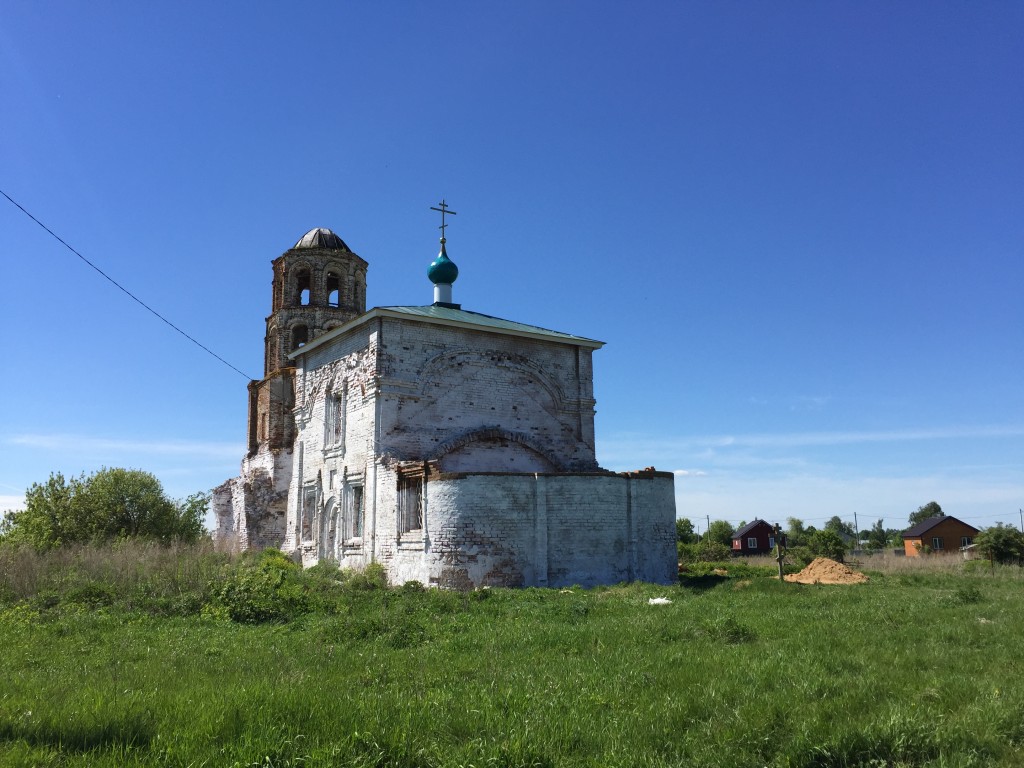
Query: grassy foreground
146, 667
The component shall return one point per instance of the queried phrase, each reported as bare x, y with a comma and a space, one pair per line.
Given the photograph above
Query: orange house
940, 534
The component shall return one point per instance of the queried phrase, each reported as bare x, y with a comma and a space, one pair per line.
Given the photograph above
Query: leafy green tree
191, 514
796, 534
836, 524
720, 531
828, 543
929, 510
109, 504
877, 537
48, 517
684, 531
1002, 543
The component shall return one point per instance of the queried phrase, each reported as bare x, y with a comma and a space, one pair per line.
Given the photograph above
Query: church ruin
452, 447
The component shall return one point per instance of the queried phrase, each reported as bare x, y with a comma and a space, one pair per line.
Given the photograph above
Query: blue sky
798, 227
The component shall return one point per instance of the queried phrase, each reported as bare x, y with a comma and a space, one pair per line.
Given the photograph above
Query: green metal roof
465, 317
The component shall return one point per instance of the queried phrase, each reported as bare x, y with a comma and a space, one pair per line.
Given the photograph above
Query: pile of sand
825, 571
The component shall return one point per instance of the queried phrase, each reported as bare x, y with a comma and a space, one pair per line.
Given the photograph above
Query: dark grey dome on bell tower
319, 283
321, 237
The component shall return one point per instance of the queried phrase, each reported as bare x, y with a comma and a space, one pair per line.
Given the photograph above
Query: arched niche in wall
494, 450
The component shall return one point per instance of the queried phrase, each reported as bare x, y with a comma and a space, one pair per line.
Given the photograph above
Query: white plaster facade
454, 448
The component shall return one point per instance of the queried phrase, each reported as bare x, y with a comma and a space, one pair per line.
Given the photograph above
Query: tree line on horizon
1002, 543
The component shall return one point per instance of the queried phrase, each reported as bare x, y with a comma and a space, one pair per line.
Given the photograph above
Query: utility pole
1021, 519
778, 548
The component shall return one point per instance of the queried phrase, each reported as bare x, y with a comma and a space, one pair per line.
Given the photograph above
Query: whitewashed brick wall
508, 422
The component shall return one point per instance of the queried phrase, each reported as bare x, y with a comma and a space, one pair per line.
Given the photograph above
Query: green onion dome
442, 269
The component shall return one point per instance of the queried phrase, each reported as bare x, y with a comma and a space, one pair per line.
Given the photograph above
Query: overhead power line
121, 287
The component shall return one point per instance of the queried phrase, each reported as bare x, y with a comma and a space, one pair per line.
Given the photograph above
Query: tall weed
173, 579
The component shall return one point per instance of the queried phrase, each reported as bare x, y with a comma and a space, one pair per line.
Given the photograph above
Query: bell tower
319, 284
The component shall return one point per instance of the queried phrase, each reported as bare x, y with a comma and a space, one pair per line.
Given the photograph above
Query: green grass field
131, 657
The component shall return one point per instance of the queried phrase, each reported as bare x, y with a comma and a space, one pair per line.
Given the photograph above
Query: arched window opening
333, 290
308, 512
334, 418
328, 542
302, 287
353, 522
410, 504
300, 335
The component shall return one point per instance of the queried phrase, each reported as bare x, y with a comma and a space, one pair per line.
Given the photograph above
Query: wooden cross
443, 210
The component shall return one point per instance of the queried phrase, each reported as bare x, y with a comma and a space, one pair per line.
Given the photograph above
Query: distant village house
756, 538
941, 534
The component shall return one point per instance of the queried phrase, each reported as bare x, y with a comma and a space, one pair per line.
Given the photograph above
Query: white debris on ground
659, 601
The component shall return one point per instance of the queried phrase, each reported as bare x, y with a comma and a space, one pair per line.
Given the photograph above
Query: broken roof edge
459, 318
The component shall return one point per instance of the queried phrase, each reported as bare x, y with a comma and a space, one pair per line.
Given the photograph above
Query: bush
373, 576
827, 543
734, 569
702, 552
705, 551
267, 587
801, 556
686, 553
326, 570
1001, 543
412, 587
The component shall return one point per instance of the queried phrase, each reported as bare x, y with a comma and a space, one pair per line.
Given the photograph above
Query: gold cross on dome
443, 211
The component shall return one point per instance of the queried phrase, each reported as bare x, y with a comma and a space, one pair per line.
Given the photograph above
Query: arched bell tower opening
319, 284
333, 289
303, 285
